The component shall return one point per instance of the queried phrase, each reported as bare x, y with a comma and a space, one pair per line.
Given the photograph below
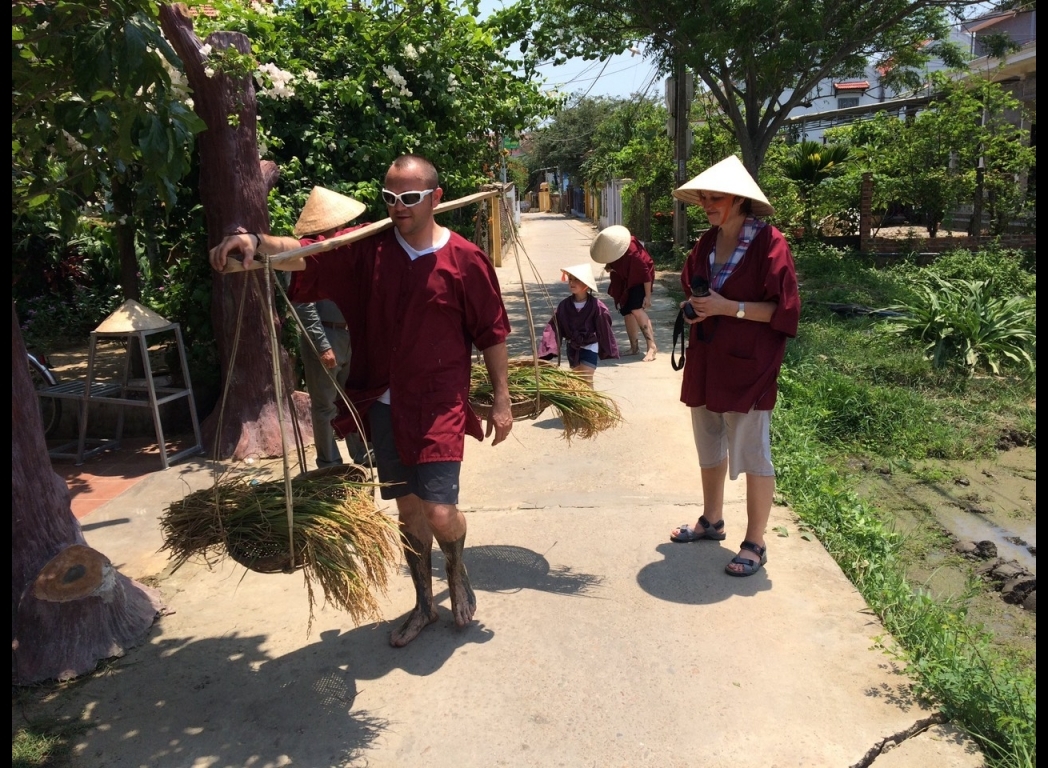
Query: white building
837, 101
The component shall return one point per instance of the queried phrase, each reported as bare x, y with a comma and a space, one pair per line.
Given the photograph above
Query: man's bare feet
463, 601
634, 350
650, 355
413, 625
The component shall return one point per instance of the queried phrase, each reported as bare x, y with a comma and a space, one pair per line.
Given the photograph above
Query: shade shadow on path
693, 574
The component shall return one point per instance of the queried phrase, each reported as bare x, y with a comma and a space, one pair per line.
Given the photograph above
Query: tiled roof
852, 85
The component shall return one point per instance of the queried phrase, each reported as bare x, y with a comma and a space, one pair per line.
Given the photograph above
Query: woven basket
525, 409
273, 556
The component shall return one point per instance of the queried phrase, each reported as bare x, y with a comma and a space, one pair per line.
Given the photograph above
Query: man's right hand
244, 244
327, 358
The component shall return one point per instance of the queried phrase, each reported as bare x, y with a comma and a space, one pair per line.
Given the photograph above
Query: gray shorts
436, 482
744, 438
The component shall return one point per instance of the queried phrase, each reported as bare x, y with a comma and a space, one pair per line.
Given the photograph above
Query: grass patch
30, 748
849, 387
44, 744
956, 665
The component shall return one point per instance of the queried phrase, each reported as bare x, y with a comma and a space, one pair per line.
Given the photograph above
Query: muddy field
970, 531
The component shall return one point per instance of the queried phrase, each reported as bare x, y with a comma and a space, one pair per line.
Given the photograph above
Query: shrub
969, 324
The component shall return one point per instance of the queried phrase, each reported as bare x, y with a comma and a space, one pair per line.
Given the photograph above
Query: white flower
394, 102
209, 72
332, 147
453, 83
410, 52
310, 75
205, 50
189, 103
278, 79
395, 77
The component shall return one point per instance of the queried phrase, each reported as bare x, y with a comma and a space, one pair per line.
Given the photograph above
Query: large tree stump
67, 617
233, 190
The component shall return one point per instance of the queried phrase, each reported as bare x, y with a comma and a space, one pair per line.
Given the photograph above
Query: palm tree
808, 165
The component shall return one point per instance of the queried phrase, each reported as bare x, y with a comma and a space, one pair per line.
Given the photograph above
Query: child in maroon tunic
584, 322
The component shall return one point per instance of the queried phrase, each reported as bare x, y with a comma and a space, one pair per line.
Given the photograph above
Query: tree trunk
58, 638
124, 230
233, 192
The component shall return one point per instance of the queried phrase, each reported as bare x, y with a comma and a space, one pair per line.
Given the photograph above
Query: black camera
700, 286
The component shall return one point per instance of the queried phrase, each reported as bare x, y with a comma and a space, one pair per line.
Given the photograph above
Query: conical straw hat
132, 316
326, 210
728, 177
582, 272
610, 244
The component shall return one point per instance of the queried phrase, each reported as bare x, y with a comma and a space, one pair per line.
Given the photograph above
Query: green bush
968, 323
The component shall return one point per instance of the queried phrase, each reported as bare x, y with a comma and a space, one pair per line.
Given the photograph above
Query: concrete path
597, 641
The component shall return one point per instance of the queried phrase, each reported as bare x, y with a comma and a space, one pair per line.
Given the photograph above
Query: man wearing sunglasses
417, 298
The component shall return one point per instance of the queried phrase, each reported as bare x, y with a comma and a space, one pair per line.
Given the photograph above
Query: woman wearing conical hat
325, 213
632, 274
743, 298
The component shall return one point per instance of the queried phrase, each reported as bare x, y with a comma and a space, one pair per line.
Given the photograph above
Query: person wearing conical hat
583, 322
327, 368
418, 298
742, 294
632, 273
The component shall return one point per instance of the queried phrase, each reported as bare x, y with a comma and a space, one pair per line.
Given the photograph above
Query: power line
601, 74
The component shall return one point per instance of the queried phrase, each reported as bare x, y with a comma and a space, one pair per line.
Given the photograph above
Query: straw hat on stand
583, 273
326, 210
728, 177
610, 244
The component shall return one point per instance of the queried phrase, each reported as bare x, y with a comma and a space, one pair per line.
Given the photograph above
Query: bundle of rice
583, 410
341, 540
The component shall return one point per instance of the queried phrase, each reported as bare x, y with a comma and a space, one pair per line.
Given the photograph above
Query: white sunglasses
409, 199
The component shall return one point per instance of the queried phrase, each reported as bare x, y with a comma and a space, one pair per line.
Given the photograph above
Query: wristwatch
742, 310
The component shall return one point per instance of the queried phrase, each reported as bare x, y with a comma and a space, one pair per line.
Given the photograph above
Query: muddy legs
420, 523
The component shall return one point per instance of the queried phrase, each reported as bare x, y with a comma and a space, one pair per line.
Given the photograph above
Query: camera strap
679, 334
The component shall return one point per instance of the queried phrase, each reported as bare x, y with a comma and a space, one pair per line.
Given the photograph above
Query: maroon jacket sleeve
550, 344
325, 273
485, 313
780, 285
607, 347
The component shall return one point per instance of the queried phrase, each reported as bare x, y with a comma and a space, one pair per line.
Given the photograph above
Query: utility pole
679, 93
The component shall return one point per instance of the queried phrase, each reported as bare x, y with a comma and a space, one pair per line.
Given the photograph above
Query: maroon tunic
634, 267
735, 365
580, 328
412, 325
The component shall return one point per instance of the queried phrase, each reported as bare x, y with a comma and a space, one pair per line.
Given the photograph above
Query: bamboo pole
234, 265
496, 232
